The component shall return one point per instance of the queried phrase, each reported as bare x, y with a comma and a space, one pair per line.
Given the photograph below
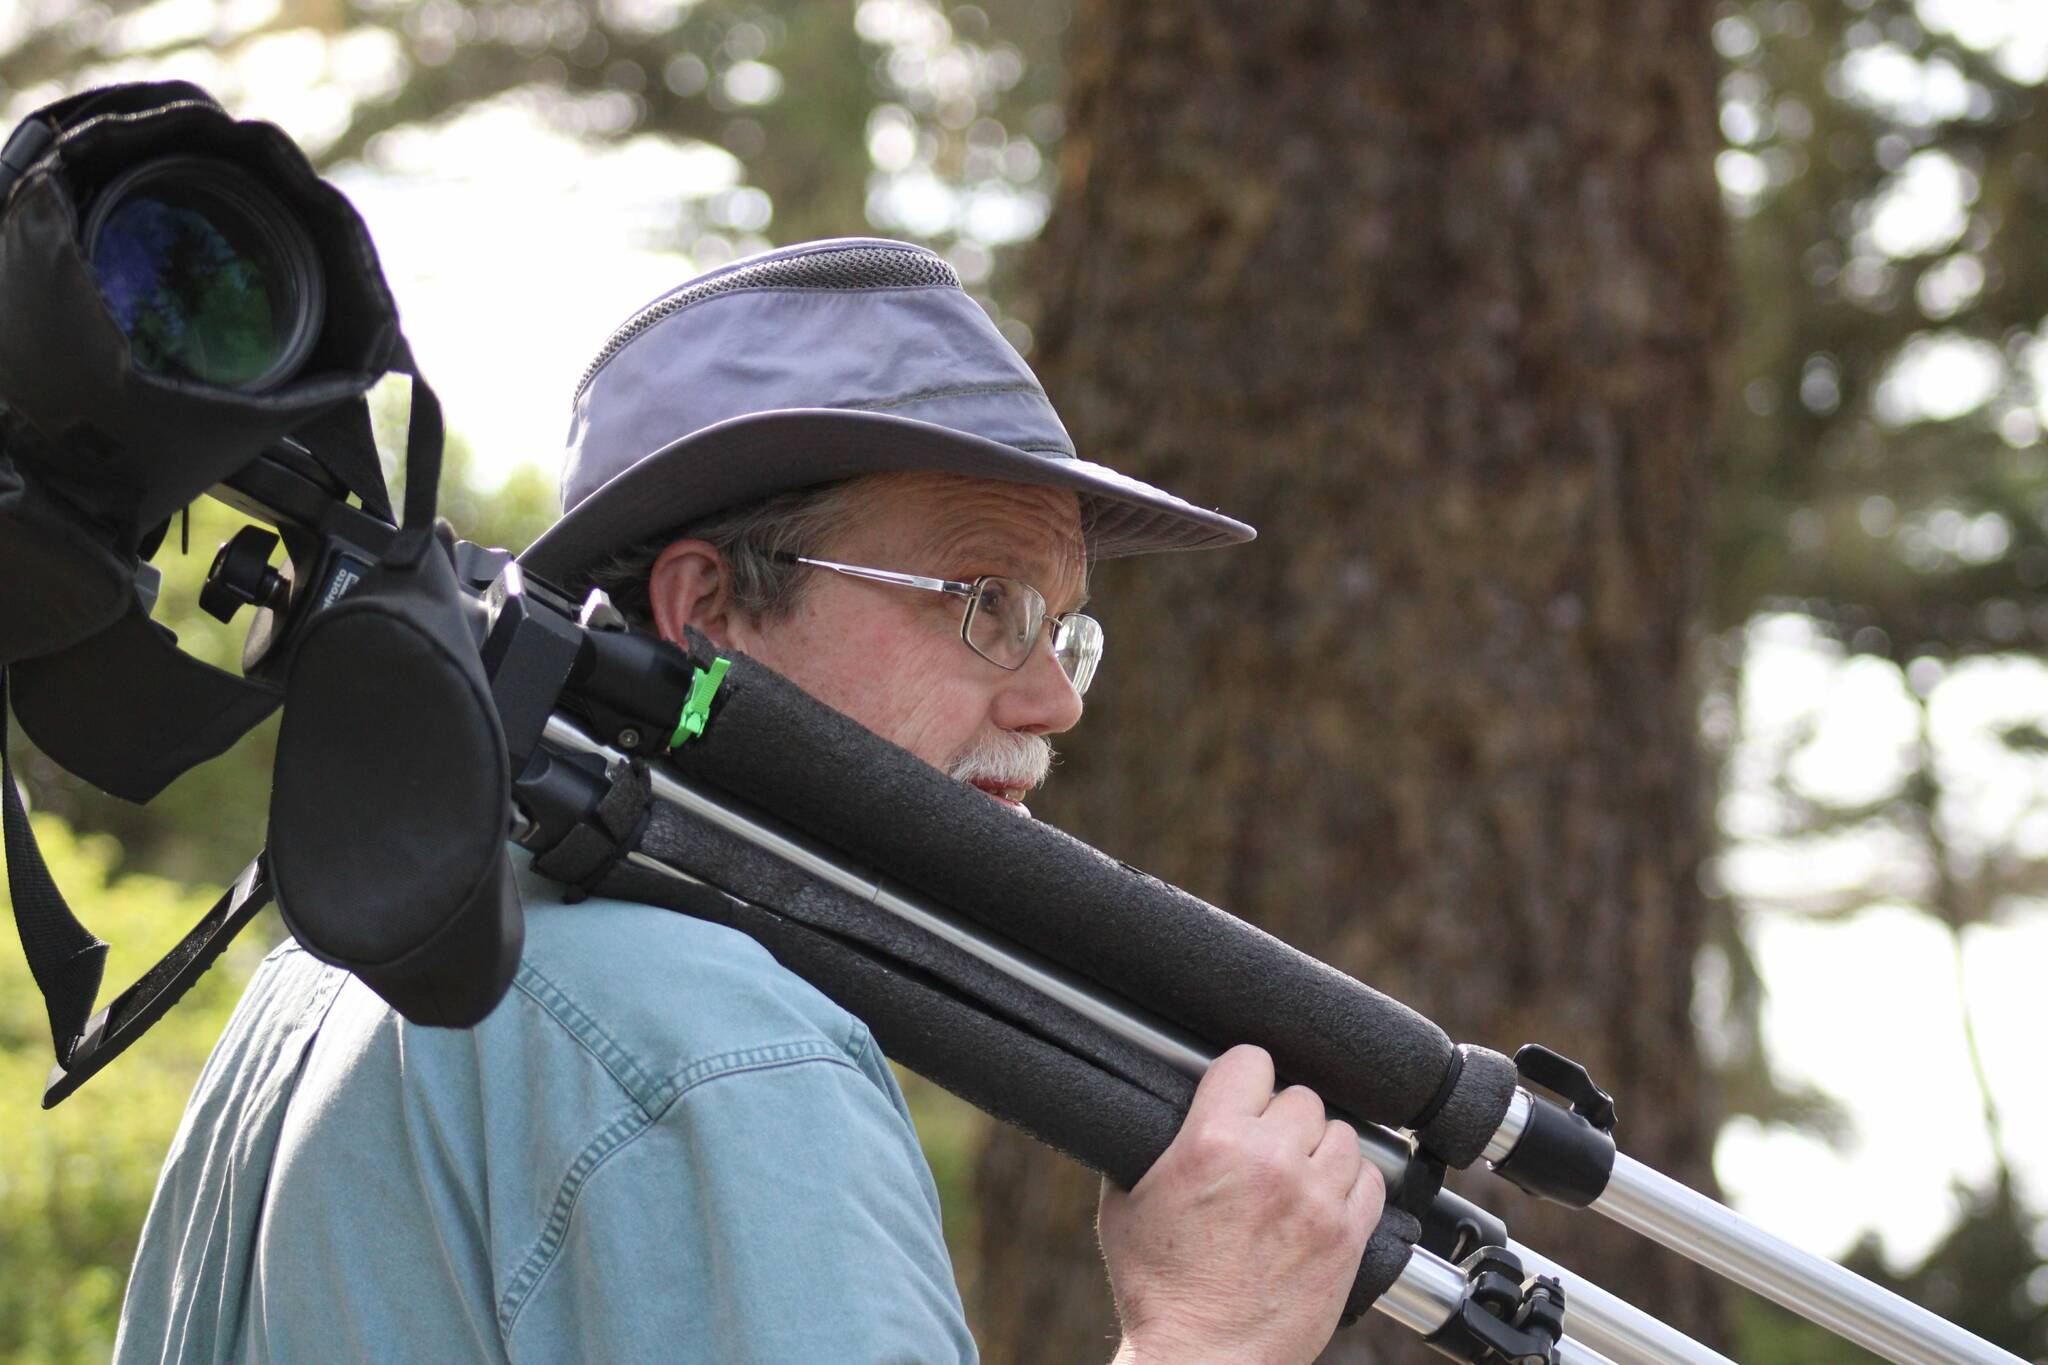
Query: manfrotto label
347, 573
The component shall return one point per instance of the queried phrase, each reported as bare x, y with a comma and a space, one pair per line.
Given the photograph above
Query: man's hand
1242, 1241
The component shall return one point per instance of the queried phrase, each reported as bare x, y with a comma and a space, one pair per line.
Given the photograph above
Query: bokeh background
1643, 404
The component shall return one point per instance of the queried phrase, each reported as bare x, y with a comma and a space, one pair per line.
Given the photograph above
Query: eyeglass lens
1078, 646
1003, 620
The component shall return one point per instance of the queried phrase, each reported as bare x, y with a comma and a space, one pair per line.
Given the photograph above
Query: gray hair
753, 539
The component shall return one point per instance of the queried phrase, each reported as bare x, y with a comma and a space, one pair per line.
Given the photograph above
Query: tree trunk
1433, 293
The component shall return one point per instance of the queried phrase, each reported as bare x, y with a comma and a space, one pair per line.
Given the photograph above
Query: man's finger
1368, 1196
1337, 1154
1298, 1111
1238, 1082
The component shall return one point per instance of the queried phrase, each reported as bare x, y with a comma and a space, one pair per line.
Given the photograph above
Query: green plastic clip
697, 710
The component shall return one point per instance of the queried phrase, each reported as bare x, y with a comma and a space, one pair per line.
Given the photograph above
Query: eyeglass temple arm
908, 580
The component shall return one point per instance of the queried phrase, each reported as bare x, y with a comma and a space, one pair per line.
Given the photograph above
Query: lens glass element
196, 266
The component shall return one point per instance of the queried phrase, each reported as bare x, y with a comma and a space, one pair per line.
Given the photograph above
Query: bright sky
1867, 1012
513, 252
509, 280
1867, 1009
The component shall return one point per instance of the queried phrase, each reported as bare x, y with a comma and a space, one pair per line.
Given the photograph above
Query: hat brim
764, 453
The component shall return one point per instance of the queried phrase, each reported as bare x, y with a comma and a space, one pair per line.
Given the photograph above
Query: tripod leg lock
1504, 1319
1565, 1155
1453, 1227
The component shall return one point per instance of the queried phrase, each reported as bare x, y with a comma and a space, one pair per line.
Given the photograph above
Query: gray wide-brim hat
813, 363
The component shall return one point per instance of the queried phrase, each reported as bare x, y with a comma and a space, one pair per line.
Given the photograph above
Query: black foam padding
1386, 1256
1151, 943
752, 875
1093, 1115
593, 847
1459, 1131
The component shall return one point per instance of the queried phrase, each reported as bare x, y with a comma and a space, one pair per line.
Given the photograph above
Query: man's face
892, 657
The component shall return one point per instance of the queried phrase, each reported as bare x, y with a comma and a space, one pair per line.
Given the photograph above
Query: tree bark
1433, 293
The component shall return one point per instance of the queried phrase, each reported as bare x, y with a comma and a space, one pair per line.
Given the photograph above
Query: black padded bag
393, 793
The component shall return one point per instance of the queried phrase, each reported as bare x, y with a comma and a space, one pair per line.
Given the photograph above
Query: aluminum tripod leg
1422, 1298
1613, 1326
1660, 1208
1429, 1292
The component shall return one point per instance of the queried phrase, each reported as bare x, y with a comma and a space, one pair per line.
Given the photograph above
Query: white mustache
1005, 758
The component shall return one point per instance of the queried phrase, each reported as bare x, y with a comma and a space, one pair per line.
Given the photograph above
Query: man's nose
1039, 698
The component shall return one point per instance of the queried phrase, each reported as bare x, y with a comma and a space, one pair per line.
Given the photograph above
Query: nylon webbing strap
130, 1014
63, 955
587, 854
424, 437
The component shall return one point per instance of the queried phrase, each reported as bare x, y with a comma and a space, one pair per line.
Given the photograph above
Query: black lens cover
130, 443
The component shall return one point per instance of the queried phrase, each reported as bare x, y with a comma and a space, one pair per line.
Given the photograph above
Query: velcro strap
586, 855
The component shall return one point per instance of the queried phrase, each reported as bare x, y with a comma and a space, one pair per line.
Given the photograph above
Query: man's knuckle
1210, 1146
1308, 1100
1248, 1056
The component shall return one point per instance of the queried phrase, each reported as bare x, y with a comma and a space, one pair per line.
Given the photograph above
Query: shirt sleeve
777, 1209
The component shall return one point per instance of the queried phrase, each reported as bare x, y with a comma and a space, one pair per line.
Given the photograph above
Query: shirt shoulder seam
615, 1136
653, 1094
581, 1026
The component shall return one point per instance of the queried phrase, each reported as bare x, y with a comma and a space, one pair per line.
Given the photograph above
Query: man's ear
691, 586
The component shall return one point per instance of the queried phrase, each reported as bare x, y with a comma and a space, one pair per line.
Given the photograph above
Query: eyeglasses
1002, 620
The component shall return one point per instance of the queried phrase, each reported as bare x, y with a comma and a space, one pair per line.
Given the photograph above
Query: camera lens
207, 273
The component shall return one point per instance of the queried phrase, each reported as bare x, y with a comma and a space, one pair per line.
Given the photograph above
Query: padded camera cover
132, 445
392, 797
80, 585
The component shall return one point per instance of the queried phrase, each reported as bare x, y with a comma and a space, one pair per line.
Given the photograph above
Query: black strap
587, 854
343, 443
64, 957
424, 437
131, 1013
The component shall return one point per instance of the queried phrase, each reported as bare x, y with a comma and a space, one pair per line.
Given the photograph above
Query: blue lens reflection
190, 302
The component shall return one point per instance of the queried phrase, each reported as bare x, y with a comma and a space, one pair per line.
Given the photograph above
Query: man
662, 1145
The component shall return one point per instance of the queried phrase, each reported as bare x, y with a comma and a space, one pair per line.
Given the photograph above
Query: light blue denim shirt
661, 1146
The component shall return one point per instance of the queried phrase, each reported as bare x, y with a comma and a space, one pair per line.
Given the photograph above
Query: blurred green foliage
76, 1181
1883, 475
